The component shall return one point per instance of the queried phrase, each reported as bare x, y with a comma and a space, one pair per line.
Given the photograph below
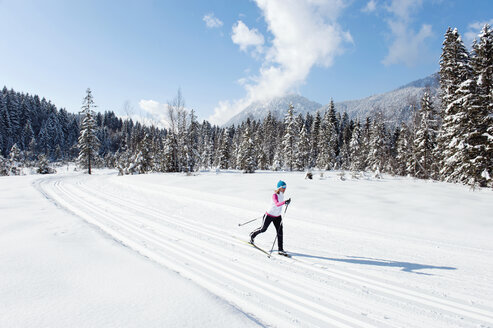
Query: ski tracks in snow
278, 292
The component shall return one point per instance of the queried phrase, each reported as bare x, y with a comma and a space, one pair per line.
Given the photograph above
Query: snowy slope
394, 104
278, 107
56, 270
366, 253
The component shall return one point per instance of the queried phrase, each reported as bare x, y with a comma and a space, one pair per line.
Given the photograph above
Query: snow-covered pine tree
269, 137
365, 142
355, 149
6, 136
426, 139
261, 156
43, 166
303, 150
235, 146
50, 136
88, 142
289, 140
322, 161
480, 140
206, 159
143, 161
333, 135
454, 71
404, 151
168, 162
224, 150
277, 163
192, 142
327, 140
15, 160
344, 141
27, 135
4, 166
246, 154
314, 135
13, 106
377, 156
299, 163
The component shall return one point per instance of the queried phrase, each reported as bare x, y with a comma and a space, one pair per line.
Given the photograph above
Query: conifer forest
452, 141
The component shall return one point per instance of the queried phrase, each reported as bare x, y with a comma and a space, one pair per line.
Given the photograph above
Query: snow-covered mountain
277, 106
394, 104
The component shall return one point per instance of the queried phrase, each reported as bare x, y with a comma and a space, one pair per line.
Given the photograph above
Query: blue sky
223, 54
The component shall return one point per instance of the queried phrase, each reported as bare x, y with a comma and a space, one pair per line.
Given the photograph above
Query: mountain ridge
395, 104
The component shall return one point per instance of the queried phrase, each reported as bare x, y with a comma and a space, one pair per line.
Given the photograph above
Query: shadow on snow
406, 266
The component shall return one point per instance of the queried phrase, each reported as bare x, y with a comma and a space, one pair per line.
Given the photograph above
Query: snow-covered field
164, 250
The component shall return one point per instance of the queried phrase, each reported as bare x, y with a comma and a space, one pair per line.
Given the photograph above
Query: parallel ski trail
115, 226
366, 231
458, 308
206, 270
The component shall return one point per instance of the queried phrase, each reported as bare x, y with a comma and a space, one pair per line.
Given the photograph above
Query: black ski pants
277, 220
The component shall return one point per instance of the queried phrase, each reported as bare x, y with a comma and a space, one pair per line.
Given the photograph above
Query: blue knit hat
281, 184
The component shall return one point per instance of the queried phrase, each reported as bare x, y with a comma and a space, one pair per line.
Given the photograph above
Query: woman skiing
273, 214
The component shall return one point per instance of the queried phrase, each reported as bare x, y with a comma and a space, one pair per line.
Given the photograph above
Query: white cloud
245, 37
473, 30
407, 45
152, 113
403, 9
212, 21
370, 7
304, 33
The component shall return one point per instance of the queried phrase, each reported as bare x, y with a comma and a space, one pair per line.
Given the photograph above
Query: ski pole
280, 226
242, 224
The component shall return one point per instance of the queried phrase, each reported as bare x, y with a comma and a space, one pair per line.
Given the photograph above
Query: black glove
287, 201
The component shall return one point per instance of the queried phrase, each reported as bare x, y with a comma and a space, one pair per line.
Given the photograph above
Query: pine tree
378, 144
144, 158
365, 137
261, 156
454, 71
246, 153
88, 142
269, 137
168, 162
356, 149
290, 138
277, 163
345, 141
192, 143
5, 127
333, 135
479, 143
303, 150
224, 150
4, 166
425, 141
15, 160
404, 151
327, 139
43, 166
322, 161
314, 138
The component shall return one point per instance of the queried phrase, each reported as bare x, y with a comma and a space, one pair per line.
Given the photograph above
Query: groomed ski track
278, 292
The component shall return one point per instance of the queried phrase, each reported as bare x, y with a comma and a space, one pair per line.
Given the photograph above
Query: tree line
451, 142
